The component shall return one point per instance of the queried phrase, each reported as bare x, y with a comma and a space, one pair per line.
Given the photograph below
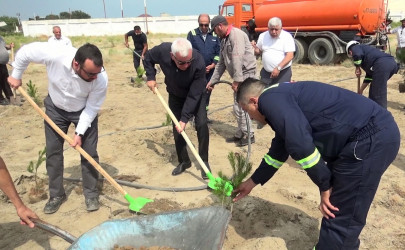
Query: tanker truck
321, 28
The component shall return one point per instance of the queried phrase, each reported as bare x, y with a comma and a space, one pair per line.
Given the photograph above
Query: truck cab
240, 12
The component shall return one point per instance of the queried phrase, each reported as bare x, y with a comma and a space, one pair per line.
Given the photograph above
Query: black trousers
54, 150
4, 86
176, 105
356, 175
137, 59
284, 76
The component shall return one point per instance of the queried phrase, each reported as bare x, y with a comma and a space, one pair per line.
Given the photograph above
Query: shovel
213, 183
14, 100
358, 84
134, 204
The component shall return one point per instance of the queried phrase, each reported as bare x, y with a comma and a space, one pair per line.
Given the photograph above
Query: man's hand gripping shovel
135, 204
213, 183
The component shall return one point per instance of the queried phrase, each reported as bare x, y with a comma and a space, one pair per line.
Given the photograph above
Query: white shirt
274, 49
62, 41
400, 35
66, 89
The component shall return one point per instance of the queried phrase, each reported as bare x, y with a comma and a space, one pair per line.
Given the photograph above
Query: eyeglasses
275, 29
92, 74
183, 62
204, 25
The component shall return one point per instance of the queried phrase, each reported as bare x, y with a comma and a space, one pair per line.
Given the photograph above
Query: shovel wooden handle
70, 141
358, 84
183, 133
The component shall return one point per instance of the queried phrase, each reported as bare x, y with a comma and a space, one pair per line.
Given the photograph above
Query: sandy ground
282, 214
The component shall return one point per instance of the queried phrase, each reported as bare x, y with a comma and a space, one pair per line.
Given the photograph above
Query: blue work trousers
355, 178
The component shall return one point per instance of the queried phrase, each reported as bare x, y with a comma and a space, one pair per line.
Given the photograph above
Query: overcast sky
95, 8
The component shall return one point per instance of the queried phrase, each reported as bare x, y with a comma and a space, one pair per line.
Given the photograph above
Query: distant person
140, 45
77, 86
343, 141
58, 39
237, 57
184, 70
277, 48
7, 186
379, 67
400, 31
208, 44
4, 86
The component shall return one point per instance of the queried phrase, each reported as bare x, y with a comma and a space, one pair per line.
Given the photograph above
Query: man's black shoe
181, 168
203, 174
4, 102
232, 139
244, 141
53, 204
92, 204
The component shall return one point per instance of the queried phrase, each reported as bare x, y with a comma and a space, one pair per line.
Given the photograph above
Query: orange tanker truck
321, 28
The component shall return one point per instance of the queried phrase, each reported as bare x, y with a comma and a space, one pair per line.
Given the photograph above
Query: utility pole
146, 17
122, 11
105, 16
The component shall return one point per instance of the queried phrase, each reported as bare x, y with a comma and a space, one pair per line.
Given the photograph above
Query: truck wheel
301, 51
321, 52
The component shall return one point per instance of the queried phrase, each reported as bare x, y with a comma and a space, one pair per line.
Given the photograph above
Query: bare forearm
7, 185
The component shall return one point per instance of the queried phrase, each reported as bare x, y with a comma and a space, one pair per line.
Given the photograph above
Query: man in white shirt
400, 31
77, 88
58, 39
277, 48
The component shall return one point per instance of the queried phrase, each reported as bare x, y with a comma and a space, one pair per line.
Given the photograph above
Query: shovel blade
15, 100
138, 203
218, 182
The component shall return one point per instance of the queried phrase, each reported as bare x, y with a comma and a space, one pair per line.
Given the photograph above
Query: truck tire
301, 51
321, 52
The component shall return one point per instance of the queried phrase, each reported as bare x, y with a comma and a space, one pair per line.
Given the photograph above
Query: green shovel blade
136, 204
214, 183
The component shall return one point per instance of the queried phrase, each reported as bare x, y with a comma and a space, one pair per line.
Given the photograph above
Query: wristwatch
279, 68
78, 134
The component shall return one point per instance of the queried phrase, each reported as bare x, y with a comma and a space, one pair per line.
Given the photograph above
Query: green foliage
33, 166
33, 92
401, 56
168, 120
76, 14
11, 22
52, 17
241, 169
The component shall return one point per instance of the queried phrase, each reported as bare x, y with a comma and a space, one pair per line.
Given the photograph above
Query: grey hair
275, 21
250, 87
181, 46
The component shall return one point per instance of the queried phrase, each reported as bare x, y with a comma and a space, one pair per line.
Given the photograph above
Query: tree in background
52, 17
76, 14
11, 22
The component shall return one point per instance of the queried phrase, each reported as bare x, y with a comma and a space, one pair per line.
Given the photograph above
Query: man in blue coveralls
379, 67
207, 43
341, 139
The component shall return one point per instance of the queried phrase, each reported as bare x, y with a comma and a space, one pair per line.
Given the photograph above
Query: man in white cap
237, 57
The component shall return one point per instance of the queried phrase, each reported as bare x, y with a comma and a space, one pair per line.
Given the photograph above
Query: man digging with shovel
184, 70
77, 89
